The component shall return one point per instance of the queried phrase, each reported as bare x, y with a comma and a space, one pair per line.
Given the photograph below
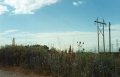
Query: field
45, 61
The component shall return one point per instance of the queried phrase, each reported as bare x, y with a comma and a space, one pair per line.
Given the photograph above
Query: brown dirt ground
22, 71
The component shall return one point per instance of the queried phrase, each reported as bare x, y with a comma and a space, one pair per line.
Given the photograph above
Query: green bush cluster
60, 63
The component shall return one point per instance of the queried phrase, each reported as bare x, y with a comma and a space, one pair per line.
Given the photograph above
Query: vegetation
61, 63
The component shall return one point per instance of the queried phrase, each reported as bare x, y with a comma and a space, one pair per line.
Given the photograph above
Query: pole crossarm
100, 22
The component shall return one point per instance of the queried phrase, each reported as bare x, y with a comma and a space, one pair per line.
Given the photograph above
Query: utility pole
98, 34
109, 37
112, 47
13, 42
117, 43
103, 23
102, 32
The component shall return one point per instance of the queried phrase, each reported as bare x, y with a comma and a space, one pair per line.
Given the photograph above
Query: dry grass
22, 71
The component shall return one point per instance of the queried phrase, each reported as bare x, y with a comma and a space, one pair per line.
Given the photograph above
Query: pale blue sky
56, 16
63, 16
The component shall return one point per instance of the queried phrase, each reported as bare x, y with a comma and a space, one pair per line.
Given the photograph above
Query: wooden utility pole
98, 34
109, 37
13, 42
117, 44
103, 23
99, 31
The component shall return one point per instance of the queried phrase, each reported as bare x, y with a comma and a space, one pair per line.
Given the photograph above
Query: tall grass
61, 63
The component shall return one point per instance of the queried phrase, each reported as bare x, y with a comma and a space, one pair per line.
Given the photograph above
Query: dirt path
18, 72
10, 74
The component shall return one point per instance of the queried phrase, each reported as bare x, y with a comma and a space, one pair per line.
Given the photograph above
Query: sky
57, 23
